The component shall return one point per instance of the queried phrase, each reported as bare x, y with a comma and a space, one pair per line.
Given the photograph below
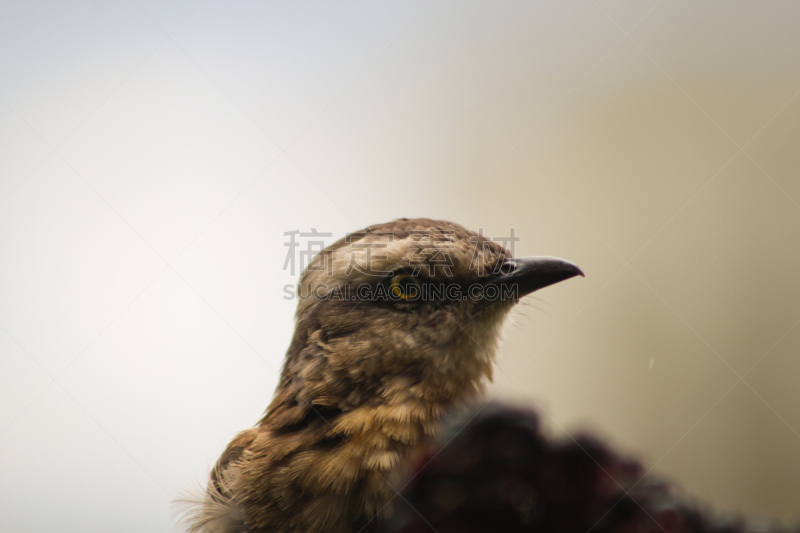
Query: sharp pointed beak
524, 275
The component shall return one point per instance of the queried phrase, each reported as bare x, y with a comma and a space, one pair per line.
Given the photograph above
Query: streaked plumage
366, 381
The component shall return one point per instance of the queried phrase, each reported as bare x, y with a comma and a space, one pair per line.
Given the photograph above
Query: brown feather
362, 390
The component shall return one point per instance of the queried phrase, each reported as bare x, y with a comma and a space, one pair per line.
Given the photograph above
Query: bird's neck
343, 424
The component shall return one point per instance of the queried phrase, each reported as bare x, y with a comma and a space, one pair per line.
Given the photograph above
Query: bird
397, 325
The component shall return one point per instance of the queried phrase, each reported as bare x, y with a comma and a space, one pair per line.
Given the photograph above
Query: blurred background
155, 154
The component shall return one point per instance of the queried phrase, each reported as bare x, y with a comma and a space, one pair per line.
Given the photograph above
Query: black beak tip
556, 275
529, 274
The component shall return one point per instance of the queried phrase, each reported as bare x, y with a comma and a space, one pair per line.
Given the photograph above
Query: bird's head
409, 303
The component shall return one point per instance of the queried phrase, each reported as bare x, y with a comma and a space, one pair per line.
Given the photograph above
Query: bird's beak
524, 275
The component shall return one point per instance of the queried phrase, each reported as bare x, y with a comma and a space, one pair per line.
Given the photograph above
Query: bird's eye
405, 286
